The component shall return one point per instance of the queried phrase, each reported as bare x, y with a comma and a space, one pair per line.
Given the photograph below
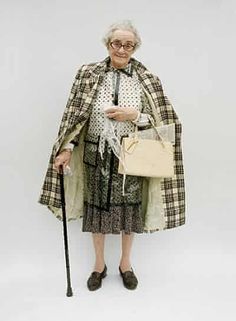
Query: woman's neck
119, 66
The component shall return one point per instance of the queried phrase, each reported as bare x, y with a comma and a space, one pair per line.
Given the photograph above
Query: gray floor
186, 273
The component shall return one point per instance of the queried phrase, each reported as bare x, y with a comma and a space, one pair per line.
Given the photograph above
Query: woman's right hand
62, 159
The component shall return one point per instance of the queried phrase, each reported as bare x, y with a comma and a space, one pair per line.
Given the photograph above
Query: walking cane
69, 289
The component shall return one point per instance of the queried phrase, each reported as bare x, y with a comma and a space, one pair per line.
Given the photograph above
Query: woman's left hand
121, 113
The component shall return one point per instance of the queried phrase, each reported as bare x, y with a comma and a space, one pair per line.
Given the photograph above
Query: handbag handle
136, 138
158, 135
154, 127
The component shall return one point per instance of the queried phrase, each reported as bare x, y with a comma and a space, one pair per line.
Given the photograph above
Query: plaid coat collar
101, 67
98, 70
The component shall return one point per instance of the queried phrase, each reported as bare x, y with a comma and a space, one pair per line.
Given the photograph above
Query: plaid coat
163, 198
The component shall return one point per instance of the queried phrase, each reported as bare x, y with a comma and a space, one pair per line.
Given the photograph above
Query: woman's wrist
137, 117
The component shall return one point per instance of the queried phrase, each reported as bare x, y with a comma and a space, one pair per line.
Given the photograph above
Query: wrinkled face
120, 56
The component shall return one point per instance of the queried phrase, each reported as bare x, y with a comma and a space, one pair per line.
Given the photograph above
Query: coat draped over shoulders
163, 201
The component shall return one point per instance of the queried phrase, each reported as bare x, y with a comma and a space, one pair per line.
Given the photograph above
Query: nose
121, 49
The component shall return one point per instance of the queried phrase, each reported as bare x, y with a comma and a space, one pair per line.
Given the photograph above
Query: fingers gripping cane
69, 289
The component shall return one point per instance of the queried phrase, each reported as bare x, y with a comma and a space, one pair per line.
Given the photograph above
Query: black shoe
130, 280
95, 280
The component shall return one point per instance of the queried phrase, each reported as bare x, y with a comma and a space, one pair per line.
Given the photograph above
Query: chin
120, 61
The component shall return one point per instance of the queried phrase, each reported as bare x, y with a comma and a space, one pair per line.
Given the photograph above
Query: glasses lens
116, 44
128, 47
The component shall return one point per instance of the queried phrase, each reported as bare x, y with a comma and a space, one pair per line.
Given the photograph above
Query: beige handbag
146, 157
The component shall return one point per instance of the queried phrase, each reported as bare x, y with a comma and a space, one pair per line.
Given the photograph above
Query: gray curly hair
122, 25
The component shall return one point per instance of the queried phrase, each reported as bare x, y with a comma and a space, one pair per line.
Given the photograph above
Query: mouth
120, 56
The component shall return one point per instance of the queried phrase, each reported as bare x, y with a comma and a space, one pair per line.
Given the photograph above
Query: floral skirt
106, 210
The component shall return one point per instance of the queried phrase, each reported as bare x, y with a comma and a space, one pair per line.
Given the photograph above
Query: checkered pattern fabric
78, 109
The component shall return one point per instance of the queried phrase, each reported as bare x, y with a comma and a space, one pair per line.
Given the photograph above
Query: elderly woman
107, 100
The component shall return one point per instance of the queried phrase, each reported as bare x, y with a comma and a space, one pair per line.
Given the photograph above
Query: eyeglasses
117, 45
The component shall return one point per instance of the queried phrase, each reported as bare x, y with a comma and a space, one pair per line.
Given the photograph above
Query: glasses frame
132, 49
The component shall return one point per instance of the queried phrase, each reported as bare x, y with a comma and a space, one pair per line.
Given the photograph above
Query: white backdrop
187, 273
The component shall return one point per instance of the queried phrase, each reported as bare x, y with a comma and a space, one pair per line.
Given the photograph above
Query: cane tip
69, 292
